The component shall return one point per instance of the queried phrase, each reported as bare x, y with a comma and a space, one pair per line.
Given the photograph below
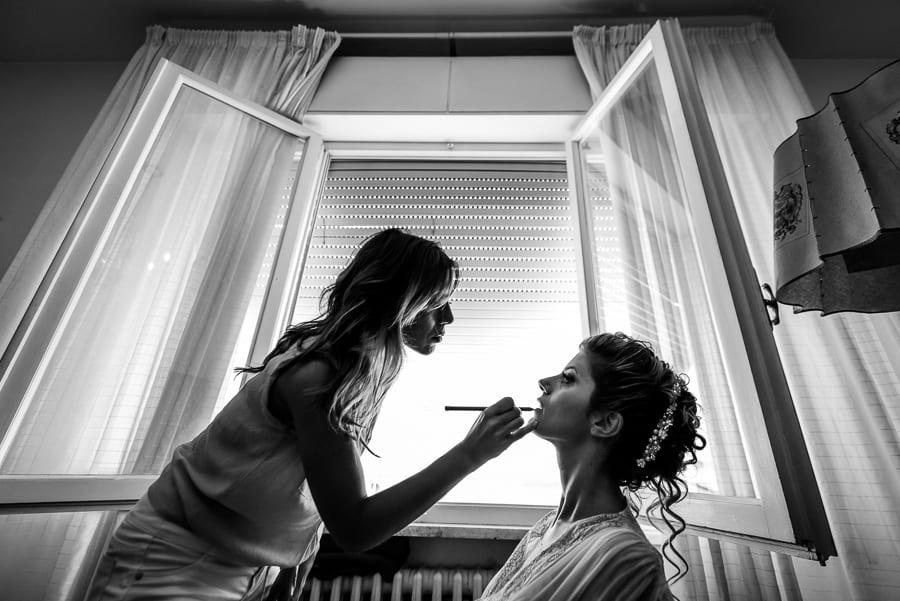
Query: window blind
508, 225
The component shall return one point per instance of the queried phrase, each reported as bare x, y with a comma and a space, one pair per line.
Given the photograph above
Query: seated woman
620, 419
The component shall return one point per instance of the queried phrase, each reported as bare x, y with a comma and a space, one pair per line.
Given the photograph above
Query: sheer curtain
844, 370
279, 70
167, 303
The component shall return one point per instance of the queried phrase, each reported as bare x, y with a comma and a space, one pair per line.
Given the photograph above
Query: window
163, 280
642, 250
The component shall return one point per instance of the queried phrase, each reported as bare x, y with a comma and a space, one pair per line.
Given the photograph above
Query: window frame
456, 519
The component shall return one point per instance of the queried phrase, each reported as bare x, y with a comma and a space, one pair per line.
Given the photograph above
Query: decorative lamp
837, 203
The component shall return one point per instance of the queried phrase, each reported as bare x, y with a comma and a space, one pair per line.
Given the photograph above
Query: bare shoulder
303, 382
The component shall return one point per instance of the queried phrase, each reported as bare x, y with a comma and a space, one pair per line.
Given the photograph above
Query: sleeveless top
240, 484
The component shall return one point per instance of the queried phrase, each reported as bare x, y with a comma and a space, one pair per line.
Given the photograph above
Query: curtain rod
441, 35
449, 35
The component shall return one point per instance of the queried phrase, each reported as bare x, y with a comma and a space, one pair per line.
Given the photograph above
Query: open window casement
175, 269
665, 260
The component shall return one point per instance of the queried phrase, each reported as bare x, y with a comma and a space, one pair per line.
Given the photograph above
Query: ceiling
111, 30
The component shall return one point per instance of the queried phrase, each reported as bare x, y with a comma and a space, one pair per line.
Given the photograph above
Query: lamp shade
837, 202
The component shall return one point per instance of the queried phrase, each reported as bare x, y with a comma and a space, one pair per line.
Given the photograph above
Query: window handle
771, 304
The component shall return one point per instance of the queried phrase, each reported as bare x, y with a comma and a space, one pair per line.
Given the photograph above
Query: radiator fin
422, 584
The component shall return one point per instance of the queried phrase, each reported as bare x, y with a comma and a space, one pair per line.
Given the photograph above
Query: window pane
52, 555
168, 300
651, 280
509, 227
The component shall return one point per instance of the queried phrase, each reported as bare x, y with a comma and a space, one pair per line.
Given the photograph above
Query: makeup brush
469, 408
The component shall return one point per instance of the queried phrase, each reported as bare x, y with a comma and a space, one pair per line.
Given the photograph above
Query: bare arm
334, 473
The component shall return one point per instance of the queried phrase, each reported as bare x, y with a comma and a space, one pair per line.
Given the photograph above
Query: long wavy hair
391, 280
630, 379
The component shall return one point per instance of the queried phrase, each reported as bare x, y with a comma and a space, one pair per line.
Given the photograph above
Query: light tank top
240, 484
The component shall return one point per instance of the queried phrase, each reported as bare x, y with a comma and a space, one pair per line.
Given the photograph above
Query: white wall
521, 84
441, 99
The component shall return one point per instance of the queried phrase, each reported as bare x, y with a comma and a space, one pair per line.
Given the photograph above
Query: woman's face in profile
427, 331
565, 401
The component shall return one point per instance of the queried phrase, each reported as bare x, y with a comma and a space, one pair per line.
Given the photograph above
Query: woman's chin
425, 348
536, 418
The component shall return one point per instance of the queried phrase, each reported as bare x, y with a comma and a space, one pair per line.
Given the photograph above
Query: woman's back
241, 484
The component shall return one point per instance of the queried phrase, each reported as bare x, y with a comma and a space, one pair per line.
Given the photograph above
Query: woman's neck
587, 488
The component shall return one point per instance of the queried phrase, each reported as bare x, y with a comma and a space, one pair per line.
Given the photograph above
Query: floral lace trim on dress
577, 532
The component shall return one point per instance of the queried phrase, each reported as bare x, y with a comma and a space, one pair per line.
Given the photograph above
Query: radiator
426, 584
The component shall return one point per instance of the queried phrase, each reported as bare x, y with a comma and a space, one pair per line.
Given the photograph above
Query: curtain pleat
843, 370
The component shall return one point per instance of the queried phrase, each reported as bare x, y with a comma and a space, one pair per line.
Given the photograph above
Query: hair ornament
662, 429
